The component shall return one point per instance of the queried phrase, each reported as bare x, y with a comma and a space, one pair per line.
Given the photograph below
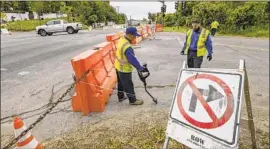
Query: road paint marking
250, 48
23, 73
3, 69
180, 41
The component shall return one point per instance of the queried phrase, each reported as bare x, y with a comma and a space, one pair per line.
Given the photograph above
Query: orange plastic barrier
144, 32
138, 39
93, 92
159, 28
114, 39
140, 30
149, 30
121, 34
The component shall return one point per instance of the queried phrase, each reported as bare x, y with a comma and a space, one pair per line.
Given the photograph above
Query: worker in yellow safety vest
198, 43
124, 63
214, 26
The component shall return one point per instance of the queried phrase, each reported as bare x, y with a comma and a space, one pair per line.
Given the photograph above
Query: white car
56, 26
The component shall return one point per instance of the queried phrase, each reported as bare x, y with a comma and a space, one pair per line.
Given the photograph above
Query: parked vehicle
56, 26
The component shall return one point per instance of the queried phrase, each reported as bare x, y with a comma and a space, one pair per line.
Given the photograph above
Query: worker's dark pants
194, 61
125, 84
213, 31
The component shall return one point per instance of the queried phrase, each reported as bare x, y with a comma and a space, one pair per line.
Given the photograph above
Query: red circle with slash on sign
216, 122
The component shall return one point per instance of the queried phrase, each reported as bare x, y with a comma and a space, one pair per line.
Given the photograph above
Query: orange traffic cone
28, 141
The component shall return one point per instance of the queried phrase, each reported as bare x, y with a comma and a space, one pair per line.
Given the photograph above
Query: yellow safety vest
121, 62
201, 49
214, 24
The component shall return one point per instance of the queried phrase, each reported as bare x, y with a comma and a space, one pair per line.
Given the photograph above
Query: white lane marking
180, 41
3, 69
23, 73
250, 48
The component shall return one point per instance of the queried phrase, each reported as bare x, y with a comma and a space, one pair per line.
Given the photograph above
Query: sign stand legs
166, 143
251, 126
167, 139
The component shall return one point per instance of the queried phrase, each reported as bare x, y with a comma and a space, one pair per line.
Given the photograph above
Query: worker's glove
143, 69
209, 57
182, 52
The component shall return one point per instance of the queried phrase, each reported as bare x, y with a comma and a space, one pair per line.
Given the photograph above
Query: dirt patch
5, 139
143, 129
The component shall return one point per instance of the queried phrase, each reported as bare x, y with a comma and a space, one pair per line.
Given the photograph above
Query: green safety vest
121, 62
214, 24
201, 49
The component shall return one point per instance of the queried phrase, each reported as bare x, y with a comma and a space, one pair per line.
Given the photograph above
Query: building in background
28, 16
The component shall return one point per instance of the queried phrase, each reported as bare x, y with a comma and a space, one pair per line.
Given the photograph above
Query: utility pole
176, 5
183, 3
130, 22
95, 12
163, 10
176, 13
117, 7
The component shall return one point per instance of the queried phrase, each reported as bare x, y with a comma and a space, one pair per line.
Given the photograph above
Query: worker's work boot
122, 99
137, 102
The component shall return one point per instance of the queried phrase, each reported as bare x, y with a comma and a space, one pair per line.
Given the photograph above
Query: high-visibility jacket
214, 24
201, 49
121, 62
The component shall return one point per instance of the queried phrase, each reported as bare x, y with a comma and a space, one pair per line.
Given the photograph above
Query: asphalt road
31, 65
25, 57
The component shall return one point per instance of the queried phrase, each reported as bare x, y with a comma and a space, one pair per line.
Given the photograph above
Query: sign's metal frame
242, 67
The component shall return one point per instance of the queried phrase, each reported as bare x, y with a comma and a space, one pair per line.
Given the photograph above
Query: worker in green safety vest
214, 26
198, 44
124, 63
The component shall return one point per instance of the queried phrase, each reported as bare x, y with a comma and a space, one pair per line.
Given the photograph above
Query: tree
267, 8
23, 6
66, 9
92, 19
249, 14
3, 16
152, 16
169, 20
159, 18
121, 18
230, 15
86, 12
37, 7
9, 6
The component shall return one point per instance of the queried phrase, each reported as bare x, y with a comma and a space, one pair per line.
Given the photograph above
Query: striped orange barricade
159, 28
113, 39
149, 30
93, 92
137, 40
144, 32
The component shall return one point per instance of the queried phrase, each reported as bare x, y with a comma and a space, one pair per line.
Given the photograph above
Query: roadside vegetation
30, 25
85, 12
144, 129
250, 32
250, 19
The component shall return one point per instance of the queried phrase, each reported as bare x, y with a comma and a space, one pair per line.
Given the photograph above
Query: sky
139, 10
